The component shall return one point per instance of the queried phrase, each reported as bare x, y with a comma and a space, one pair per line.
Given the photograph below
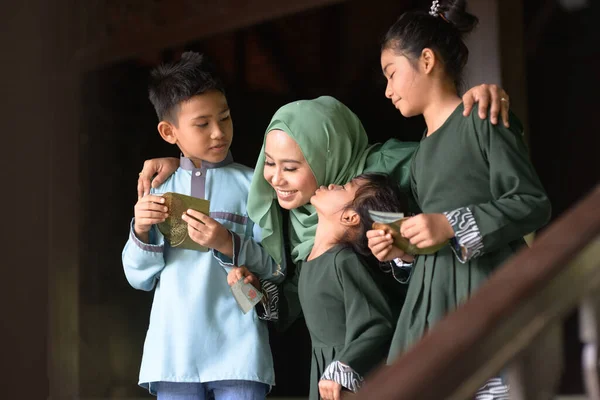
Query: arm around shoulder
520, 204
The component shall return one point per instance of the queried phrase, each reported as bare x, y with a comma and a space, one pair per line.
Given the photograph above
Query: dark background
64, 285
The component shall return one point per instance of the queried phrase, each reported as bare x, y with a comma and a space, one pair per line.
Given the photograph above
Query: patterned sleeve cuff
344, 375
268, 308
467, 242
153, 248
223, 259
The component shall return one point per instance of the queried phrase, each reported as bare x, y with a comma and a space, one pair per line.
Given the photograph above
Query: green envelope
175, 229
392, 222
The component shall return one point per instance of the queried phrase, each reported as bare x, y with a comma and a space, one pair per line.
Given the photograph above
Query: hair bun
455, 11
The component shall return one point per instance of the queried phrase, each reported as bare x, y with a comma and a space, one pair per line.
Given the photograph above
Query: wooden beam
123, 31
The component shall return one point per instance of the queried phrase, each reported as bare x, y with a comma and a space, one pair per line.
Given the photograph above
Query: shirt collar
187, 164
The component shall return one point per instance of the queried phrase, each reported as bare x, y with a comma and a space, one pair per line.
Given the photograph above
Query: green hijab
335, 145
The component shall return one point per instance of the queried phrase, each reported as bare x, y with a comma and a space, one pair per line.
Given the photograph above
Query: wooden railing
513, 323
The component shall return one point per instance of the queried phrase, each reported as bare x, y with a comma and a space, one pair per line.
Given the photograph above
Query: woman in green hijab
347, 306
334, 149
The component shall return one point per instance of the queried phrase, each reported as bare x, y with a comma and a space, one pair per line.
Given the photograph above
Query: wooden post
39, 154
62, 178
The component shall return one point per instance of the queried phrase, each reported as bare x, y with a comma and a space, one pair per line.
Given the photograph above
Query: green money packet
392, 222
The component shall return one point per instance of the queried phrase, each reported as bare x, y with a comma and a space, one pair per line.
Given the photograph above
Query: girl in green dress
472, 180
349, 318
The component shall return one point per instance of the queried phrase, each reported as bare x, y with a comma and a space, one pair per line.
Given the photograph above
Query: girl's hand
426, 230
330, 390
161, 167
207, 232
238, 273
381, 245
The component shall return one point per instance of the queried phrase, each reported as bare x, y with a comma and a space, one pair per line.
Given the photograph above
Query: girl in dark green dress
347, 314
349, 318
472, 180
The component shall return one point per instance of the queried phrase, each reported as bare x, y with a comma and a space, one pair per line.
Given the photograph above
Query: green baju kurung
481, 177
347, 315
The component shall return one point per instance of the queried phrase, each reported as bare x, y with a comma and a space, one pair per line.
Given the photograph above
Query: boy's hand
426, 230
381, 245
209, 233
238, 273
330, 390
161, 167
149, 210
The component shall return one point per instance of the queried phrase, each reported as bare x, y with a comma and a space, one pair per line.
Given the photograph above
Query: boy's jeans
217, 390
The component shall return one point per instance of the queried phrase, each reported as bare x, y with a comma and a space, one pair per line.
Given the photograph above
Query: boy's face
204, 130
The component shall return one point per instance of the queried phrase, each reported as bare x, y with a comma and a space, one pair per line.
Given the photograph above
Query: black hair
375, 192
443, 33
171, 84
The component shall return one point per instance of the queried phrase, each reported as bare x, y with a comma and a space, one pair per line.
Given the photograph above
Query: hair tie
434, 11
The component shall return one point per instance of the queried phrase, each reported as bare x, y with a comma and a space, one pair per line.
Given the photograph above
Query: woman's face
287, 171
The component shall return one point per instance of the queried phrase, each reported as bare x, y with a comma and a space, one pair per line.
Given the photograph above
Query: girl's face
406, 86
331, 201
287, 171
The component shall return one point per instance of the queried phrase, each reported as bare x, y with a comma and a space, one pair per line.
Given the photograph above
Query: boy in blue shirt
199, 343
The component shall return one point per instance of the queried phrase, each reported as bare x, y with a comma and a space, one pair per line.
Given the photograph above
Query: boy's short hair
173, 83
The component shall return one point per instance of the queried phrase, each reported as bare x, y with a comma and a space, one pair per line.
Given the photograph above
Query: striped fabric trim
278, 271
153, 248
344, 375
222, 258
494, 389
268, 308
467, 242
401, 263
235, 218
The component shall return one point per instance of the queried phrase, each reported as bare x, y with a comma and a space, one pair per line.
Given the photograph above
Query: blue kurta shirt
197, 332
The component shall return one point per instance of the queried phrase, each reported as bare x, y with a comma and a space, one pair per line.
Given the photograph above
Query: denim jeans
216, 390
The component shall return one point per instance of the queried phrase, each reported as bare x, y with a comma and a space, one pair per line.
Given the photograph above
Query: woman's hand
488, 96
161, 167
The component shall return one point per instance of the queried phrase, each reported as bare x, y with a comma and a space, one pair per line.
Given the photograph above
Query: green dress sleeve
394, 158
519, 205
289, 301
368, 316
